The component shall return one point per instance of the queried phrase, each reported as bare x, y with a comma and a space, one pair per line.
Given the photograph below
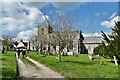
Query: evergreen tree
113, 42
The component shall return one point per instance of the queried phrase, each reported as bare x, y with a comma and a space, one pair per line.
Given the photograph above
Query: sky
19, 19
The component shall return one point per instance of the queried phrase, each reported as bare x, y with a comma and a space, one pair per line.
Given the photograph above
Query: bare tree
62, 35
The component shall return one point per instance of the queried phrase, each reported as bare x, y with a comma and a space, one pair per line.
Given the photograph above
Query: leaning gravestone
57, 51
90, 56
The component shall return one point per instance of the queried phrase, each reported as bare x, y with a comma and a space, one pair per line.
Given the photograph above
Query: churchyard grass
78, 67
8, 66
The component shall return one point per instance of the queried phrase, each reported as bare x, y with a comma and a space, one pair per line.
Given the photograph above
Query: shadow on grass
111, 61
3, 59
5, 54
114, 62
78, 62
17, 72
8, 74
93, 79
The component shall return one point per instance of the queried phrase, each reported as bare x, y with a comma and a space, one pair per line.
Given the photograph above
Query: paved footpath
45, 71
28, 71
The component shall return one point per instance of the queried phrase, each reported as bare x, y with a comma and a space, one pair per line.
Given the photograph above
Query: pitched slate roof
93, 40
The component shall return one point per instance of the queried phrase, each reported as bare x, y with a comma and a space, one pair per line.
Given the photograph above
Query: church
77, 43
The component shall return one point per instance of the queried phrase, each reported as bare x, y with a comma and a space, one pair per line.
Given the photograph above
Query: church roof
20, 45
93, 40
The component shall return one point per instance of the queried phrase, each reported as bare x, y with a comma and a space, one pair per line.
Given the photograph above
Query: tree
36, 43
113, 42
62, 35
40, 38
7, 42
100, 51
63, 30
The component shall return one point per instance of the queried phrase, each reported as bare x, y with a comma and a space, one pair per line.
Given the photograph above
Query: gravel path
28, 71
45, 71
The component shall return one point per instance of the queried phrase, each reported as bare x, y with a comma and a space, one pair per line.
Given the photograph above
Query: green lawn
9, 66
78, 67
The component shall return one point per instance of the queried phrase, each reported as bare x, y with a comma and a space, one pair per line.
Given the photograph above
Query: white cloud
97, 14
100, 14
38, 5
113, 15
43, 17
106, 23
20, 17
10, 23
60, 0
61, 6
90, 34
34, 14
104, 13
109, 23
26, 35
12, 9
